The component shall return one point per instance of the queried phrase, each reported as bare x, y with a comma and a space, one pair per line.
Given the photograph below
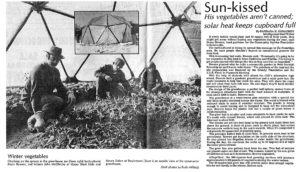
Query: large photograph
57, 98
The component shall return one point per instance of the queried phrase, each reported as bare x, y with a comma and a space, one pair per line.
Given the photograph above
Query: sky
173, 60
83, 17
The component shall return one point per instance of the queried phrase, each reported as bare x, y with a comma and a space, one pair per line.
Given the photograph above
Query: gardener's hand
36, 122
108, 78
71, 99
97, 75
154, 89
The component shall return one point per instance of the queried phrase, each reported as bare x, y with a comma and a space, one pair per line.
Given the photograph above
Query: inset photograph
106, 32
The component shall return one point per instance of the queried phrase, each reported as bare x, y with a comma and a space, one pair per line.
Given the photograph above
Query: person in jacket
151, 80
111, 81
39, 97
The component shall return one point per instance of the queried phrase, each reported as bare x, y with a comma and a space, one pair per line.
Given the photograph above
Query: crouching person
111, 81
151, 80
39, 96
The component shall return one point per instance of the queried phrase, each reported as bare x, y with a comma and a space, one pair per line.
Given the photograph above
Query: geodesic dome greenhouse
106, 29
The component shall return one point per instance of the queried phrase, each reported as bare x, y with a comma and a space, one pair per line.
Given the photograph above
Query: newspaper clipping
150, 85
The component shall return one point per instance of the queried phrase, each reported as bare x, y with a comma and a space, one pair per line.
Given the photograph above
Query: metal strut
81, 65
189, 46
131, 73
91, 34
27, 2
168, 8
101, 35
115, 4
159, 45
58, 12
157, 23
49, 33
40, 5
125, 31
113, 34
19, 29
84, 33
47, 28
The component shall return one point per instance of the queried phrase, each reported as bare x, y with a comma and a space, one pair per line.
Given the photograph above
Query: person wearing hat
39, 96
111, 81
151, 80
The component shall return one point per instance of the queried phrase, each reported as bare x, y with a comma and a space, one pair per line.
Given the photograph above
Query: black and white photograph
103, 75
149, 85
106, 32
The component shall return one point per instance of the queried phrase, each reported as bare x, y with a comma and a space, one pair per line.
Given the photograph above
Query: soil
160, 135
164, 135
163, 127
107, 49
23, 139
174, 137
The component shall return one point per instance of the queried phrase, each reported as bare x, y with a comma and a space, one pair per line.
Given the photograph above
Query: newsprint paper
150, 85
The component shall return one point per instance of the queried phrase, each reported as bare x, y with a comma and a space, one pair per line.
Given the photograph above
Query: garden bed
164, 120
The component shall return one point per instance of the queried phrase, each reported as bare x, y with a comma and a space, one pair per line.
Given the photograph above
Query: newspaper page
250, 84
149, 85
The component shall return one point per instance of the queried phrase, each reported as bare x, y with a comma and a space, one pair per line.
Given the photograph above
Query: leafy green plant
117, 123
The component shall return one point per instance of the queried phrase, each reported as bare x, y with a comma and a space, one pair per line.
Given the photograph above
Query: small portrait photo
106, 32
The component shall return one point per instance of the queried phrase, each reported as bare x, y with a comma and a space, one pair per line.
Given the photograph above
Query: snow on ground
121, 48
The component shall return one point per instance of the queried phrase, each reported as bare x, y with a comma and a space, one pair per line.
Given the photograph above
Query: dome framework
176, 21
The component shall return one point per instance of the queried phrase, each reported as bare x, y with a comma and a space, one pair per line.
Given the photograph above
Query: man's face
151, 69
53, 60
117, 67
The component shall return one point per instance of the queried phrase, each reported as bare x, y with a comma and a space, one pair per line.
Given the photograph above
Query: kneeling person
111, 80
151, 80
39, 96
